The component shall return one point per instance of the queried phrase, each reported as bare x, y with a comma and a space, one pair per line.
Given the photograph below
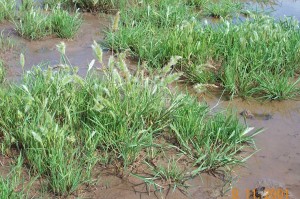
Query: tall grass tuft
7, 9
2, 72
223, 8
65, 124
37, 23
11, 185
64, 24
214, 144
34, 24
89, 5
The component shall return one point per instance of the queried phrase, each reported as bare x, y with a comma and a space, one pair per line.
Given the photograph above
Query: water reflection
279, 8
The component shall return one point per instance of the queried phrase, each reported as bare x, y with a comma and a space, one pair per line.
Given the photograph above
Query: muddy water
278, 158
44, 51
286, 8
280, 8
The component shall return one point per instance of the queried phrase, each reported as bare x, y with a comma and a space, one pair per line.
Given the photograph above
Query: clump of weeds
65, 25
34, 24
7, 9
64, 124
228, 55
197, 3
12, 184
223, 8
2, 72
6, 43
214, 144
89, 5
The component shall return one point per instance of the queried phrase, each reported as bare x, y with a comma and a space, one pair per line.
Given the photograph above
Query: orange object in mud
262, 193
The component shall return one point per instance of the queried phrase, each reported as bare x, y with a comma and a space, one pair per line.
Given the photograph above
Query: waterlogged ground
279, 156
79, 50
278, 159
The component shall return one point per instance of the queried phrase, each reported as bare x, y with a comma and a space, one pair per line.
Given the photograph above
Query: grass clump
7, 9
88, 5
65, 25
223, 8
197, 3
34, 24
6, 43
10, 184
240, 57
169, 174
102, 5
2, 72
144, 30
65, 124
213, 144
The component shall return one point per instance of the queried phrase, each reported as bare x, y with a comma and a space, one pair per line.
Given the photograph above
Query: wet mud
278, 155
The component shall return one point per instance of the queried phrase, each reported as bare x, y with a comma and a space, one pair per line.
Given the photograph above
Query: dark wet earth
278, 158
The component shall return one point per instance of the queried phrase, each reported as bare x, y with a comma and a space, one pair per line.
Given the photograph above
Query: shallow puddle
278, 158
285, 8
78, 50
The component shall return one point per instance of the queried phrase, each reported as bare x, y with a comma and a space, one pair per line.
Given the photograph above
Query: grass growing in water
36, 23
65, 124
241, 58
65, 25
6, 43
223, 8
7, 9
89, 5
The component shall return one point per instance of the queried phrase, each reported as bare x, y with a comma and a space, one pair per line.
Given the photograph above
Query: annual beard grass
223, 8
12, 185
212, 145
227, 54
6, 42
37, 23
2, 72
65, 25
88, 5
7, 9
34, 24
65, 124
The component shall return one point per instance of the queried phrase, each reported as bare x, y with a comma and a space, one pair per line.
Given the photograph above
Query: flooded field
276, 161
